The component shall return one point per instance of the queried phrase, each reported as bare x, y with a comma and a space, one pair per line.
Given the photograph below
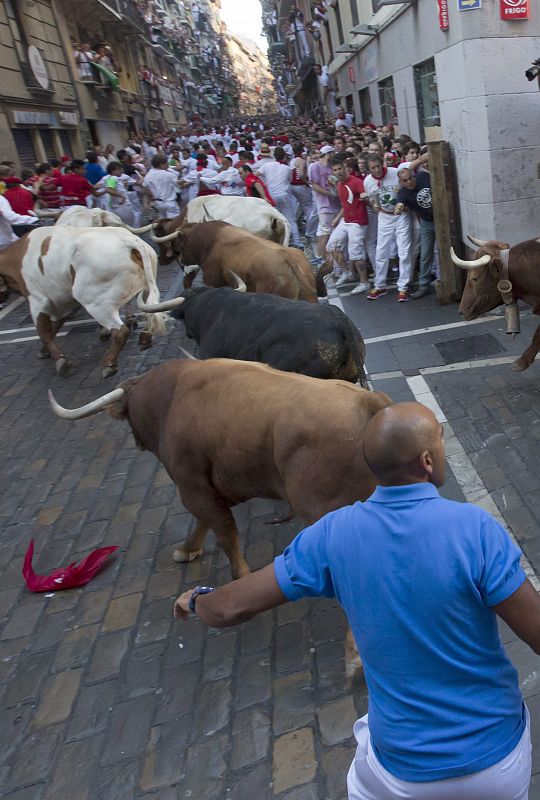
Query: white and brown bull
251, 213
218, 249
494, 265
83, 217
58, 268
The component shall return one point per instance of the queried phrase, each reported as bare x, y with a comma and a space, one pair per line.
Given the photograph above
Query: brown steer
217, 247
484, 273
227, 431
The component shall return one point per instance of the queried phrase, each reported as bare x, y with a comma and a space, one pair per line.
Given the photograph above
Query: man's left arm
235, 602
412, 165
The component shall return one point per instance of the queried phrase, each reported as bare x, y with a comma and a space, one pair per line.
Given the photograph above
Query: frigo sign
514, 9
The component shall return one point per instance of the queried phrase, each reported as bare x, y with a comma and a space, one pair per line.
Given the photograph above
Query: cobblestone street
104, 695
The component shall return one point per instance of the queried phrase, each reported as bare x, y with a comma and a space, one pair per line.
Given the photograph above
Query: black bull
290, 335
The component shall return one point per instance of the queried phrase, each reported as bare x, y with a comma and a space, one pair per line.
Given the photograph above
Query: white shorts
356, 237
338, 238
508, 779
324, 228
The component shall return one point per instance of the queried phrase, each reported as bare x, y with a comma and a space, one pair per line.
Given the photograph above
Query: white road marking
11, 307
469, 480
68, 324
419, 331
30, 338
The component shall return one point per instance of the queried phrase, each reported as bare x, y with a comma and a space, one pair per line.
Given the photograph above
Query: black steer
290, 335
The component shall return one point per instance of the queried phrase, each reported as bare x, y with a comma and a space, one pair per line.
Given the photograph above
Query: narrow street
150, 707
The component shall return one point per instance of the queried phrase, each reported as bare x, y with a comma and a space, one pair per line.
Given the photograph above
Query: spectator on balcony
328, 90
84, 57
298, 28
271, 23
104, 57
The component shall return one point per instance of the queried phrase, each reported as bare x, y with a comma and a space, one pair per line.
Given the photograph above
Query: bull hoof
62, 367
110, 369
182, 556
132, 324
145, 340
104, 335
520, 365
44, 353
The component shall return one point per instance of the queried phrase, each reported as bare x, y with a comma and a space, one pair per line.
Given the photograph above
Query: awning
110, 9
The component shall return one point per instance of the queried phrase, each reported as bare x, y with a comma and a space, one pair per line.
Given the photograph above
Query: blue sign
468, 5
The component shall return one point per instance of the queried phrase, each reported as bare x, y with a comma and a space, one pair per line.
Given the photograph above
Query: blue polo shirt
416, 576
94, 173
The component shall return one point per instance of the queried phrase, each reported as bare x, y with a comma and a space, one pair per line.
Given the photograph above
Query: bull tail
156, 322
281, 231
357, 350
320, 275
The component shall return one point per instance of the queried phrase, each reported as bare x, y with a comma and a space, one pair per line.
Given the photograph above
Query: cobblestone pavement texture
104, 696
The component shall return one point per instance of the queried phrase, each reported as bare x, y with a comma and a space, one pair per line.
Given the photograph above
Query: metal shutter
115, 133
66, 142
48, 144
25, 147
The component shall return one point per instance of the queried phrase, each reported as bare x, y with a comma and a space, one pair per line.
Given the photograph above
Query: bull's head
484, 272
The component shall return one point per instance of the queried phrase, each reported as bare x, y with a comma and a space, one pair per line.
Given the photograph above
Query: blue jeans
427, 246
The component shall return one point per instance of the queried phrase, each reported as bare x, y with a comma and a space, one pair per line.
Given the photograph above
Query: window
330, 45
365, 105
427, 98
339, 24
387, 101
349, 104
25, 147
354, 12
48, 144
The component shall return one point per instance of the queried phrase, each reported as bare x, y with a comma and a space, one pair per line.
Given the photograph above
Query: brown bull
227, 431
486, 270
218, 248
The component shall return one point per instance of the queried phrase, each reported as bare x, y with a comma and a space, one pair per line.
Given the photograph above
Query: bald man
421, 580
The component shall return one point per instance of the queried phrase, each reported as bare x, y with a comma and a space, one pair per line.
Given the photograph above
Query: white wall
490, 113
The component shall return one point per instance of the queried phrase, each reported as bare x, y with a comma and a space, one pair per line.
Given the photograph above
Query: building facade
251, 67
453, 71
75, 74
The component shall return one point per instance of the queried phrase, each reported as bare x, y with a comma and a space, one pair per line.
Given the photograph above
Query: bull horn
240, 285
153, 308
163, 239
207, 214
478, 262
89, 409
477, 242
144, 229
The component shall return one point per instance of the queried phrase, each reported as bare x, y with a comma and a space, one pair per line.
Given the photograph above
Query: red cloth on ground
65, 577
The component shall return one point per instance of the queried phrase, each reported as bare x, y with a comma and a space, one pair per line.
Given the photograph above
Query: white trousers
166, 210
286, 204
371, 236
508, 779
393, 230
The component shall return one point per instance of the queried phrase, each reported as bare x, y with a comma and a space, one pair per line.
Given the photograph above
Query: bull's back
259, 431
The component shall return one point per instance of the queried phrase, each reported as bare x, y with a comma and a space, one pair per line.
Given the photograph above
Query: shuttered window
48, 144
25, 147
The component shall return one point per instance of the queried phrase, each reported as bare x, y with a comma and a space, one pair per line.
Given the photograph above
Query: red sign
444, 22
351, 74
514, 9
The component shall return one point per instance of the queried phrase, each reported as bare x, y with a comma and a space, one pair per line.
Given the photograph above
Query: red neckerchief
383, 176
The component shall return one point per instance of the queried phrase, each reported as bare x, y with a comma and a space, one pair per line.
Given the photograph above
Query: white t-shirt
346, 122
229, 181
385, 190
163, 184
277, 177
8, 217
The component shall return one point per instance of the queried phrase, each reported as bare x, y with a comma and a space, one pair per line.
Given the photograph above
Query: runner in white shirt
227, 179
163, 186
8, 217
277, 177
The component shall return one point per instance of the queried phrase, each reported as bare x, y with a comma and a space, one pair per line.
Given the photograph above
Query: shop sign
351, 74
37, 65
68, 117
514, 9
468, 5
444, 22
34, 118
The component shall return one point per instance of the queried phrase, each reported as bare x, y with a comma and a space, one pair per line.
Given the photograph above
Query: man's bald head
403, 444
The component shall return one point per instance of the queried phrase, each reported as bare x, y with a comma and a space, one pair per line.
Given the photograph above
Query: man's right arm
521, 611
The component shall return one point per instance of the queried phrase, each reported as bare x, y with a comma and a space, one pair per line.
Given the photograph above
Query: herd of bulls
229, 430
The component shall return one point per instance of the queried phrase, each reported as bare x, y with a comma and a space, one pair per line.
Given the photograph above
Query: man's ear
426, 462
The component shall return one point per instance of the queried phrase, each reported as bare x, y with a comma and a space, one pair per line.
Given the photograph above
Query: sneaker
376, 293
362, 287
402, 297
346, 277
421, 292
